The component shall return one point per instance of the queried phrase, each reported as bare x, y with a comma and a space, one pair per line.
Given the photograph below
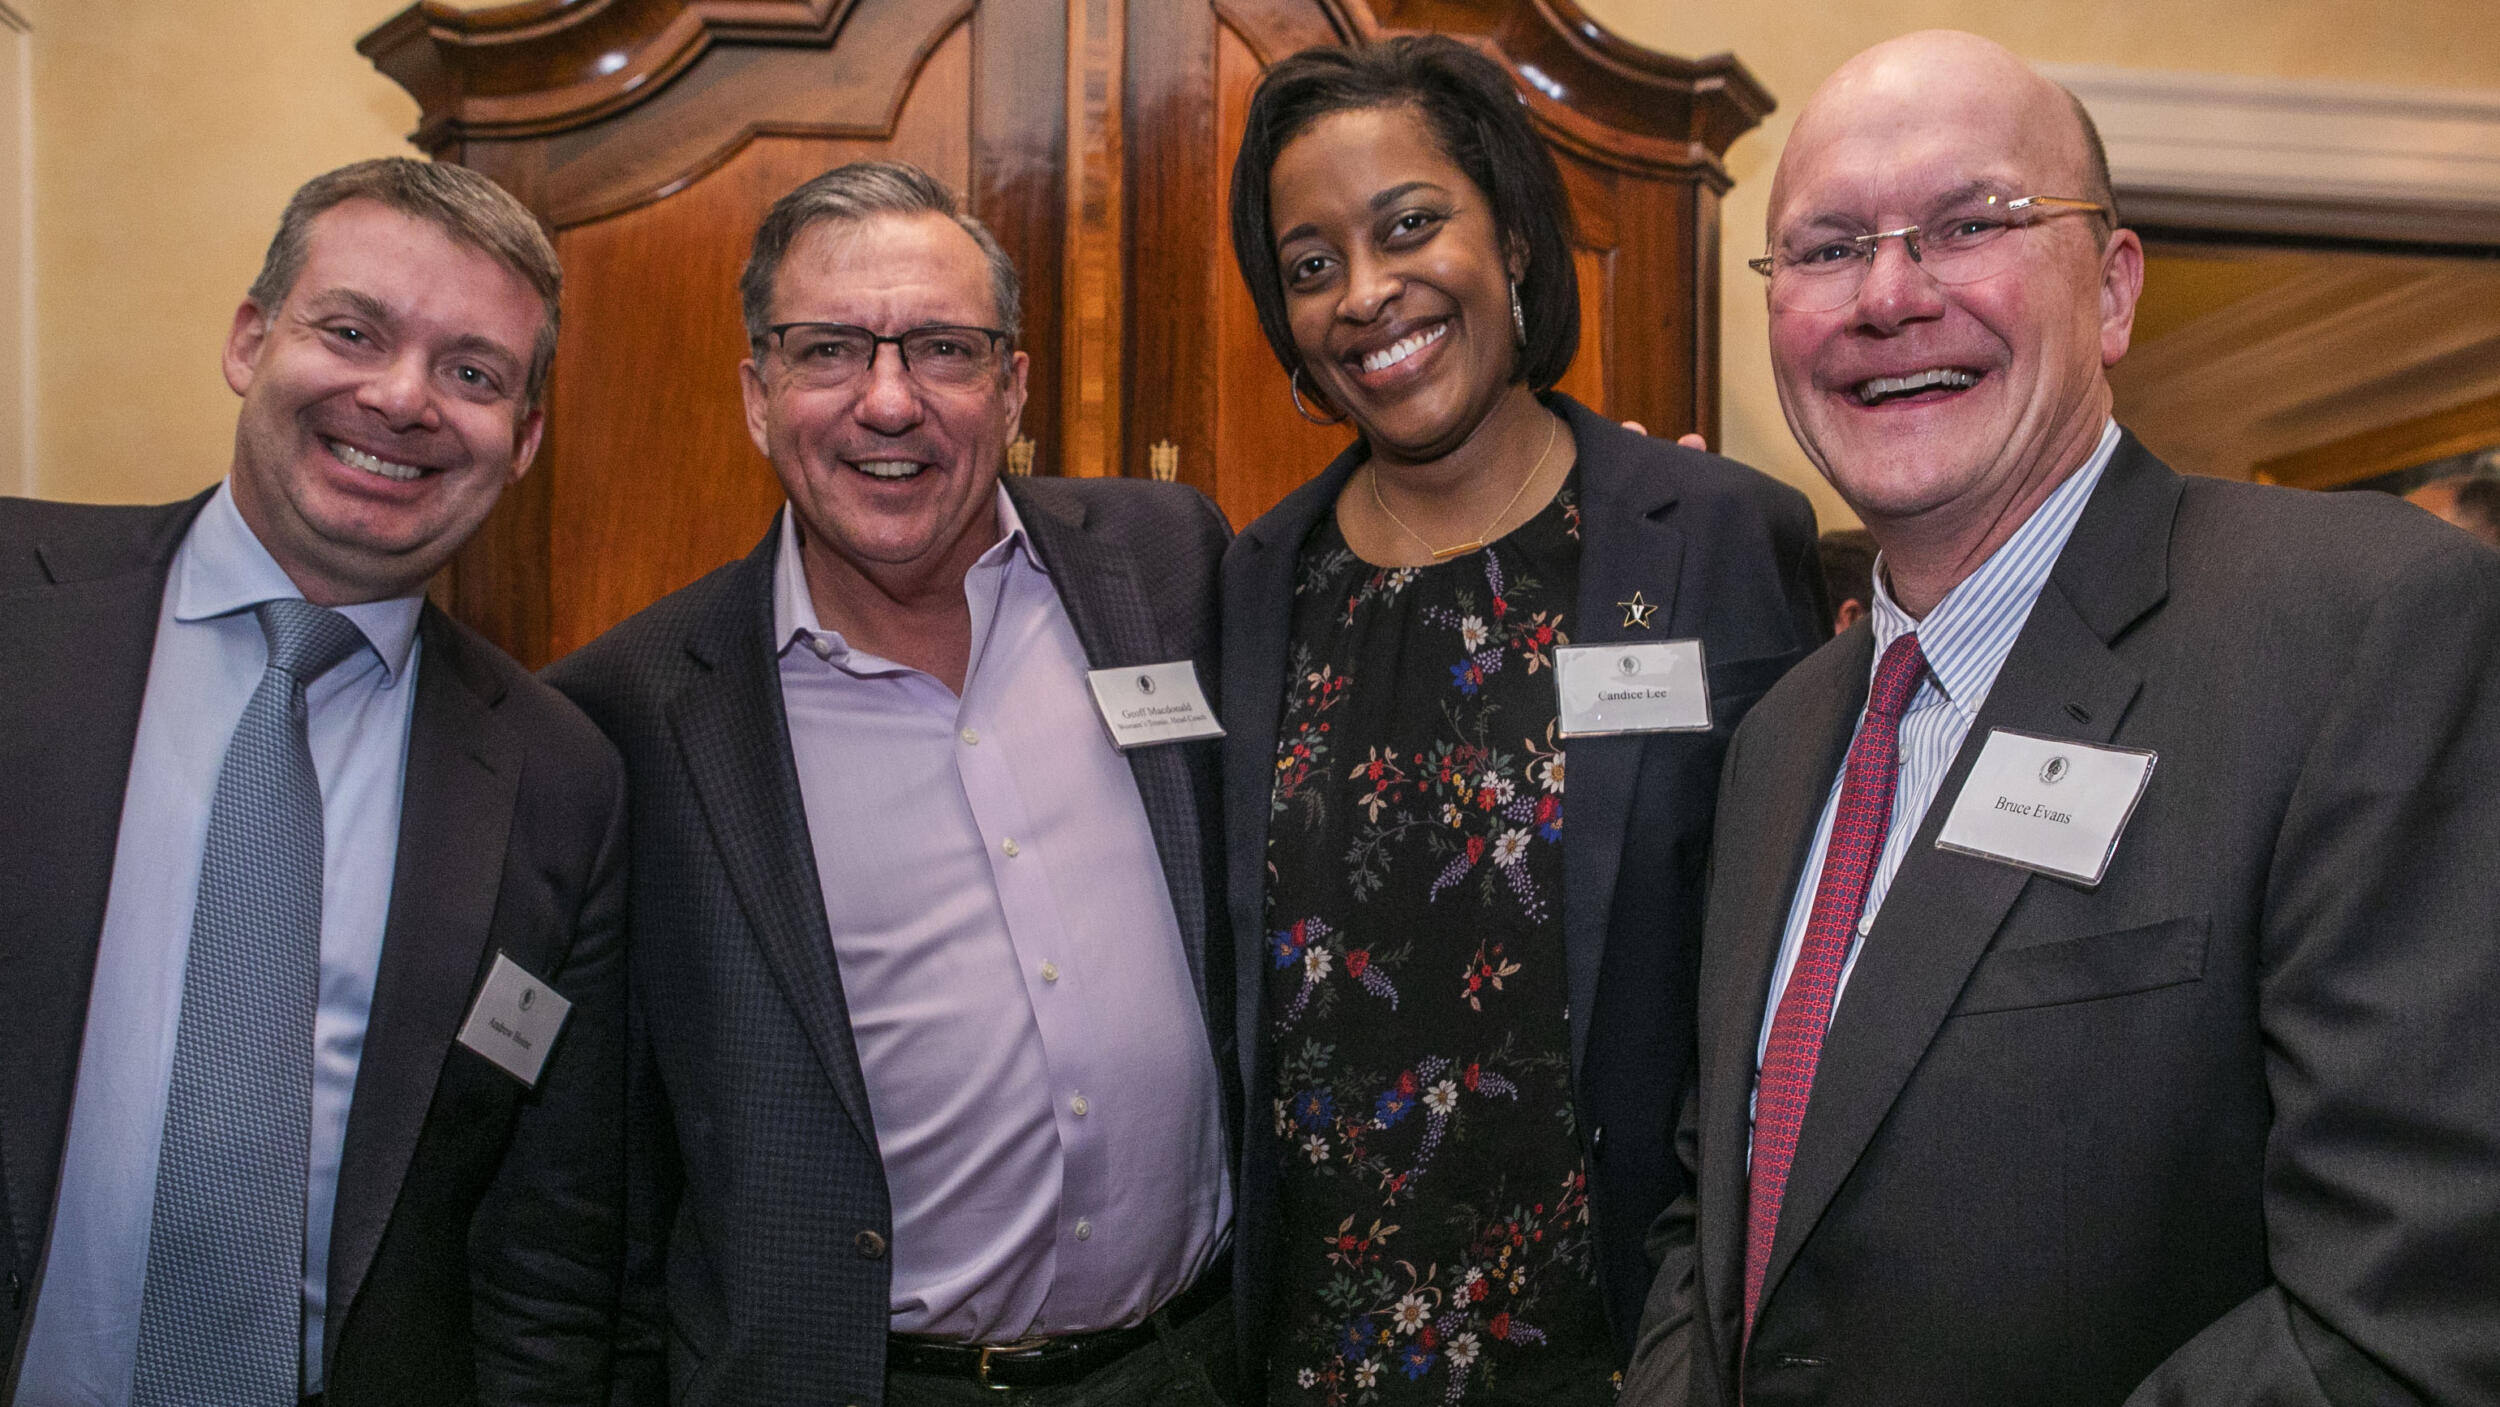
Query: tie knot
305, 640
1896, 678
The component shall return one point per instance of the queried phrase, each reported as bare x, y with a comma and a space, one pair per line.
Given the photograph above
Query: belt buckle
1023, 1345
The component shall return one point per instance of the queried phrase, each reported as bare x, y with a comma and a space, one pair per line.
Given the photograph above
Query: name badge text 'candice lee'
1651, 687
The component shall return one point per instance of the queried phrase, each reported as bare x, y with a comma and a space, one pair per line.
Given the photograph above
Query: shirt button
1009, 845
870, 1245
1079, 1105
1084, 1230
1050, 972
971, 738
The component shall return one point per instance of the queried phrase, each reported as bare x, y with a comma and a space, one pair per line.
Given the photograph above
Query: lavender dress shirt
1045, 1098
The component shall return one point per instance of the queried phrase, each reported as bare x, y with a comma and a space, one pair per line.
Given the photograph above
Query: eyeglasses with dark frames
944, 356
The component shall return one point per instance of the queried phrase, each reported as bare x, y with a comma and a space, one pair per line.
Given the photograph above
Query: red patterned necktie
1805, 1009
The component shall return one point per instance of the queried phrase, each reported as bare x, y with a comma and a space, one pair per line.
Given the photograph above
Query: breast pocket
2114, 964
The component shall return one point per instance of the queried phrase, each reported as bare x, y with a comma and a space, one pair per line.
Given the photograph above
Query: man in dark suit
928, 1102
2097, 983
283, 846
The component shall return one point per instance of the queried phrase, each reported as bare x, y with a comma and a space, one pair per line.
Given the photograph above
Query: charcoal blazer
2223, 1129
761, 1212
1727, 557
476, 1221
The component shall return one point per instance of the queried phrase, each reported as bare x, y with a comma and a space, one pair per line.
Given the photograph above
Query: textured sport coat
477, 1221
1727, 557
761, 1209
2223, 1129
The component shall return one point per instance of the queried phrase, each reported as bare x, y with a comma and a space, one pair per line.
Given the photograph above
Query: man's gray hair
464, 205
857, 192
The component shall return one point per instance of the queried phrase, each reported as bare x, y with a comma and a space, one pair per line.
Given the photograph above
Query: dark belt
1053, 1361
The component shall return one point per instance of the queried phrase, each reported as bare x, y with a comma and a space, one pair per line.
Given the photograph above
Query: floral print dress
1433, 1203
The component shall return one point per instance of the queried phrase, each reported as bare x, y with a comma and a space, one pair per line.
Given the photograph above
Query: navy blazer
1727, 556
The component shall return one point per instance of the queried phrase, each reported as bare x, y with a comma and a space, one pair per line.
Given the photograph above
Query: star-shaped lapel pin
1636, 612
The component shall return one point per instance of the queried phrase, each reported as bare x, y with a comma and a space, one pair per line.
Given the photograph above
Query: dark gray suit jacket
1727, 557
2225, 1129
476, 1221
761, 1209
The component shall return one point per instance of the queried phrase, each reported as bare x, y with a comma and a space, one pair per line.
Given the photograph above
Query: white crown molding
2269, 155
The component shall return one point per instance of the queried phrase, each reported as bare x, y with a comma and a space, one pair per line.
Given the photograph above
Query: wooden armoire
1095, 136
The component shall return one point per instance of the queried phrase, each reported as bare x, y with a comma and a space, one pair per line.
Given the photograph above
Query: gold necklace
1443, 554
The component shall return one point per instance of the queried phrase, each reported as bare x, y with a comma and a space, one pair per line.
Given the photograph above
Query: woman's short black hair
1468, 104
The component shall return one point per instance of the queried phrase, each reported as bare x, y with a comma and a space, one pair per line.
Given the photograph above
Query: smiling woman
1471, 1025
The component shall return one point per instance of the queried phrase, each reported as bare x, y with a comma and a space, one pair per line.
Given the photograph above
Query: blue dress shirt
208, 658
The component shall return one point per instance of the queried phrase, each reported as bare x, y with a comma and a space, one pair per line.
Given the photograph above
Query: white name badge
1652, 687
515, 1020
2047, 804
1153, 703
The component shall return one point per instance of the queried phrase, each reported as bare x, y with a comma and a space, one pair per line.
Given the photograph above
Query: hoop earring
1518, 315
1293, 388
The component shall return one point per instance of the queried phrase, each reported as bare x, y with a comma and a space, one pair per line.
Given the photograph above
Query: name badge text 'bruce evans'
2048, 804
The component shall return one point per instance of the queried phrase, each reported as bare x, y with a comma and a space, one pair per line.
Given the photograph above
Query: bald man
2099, 984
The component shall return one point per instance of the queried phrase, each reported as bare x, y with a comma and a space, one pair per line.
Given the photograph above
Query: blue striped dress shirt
1965, 639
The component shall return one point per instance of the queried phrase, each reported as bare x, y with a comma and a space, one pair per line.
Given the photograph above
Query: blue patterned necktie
221, 1318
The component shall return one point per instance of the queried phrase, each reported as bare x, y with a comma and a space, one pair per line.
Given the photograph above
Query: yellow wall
169, 132
1791, 46
168, 135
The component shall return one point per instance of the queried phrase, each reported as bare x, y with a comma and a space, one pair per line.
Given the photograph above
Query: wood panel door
1095, 136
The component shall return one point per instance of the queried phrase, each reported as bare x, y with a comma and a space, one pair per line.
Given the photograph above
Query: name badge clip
515, 1020
1646, 687
2053, 805
1156, 703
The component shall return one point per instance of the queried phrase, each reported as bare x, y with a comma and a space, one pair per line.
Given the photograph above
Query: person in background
1848, 558
2470, 501
2096, 1002
930, 973
1465, 997
297, 875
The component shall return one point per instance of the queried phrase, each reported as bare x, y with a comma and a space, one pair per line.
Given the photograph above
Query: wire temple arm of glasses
1768, 264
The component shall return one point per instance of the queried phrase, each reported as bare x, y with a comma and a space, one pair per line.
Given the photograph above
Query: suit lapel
1944, 909
1628, 545
1766, 827
1115, 624
77, 648
455, 826
735, 738
1258, 619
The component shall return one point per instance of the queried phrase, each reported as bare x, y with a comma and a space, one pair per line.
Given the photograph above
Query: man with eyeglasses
2097, 996
928, 1103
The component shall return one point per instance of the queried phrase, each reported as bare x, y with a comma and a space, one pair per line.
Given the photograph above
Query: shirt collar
1970, 632
223, 569
794, 609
